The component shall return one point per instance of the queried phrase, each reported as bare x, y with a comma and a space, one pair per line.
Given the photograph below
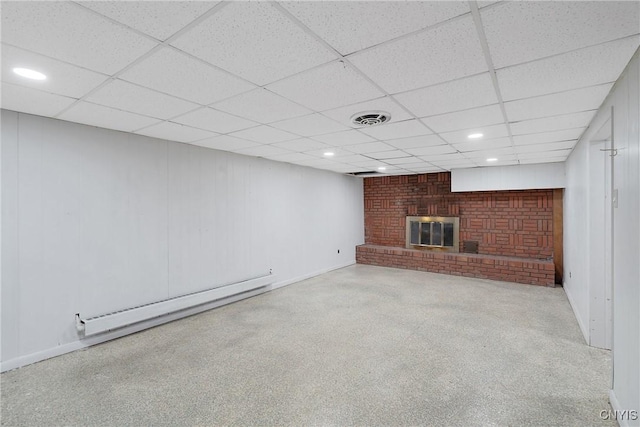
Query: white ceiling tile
262, 151
468, 166
542, 137
213, 120
291, 157
500, 162
261, 106
316, 162
500, 153
426, 169
33, 101
226, 143
566, 121
419, 168
482, 4
356, 159
159, 19
302, 144
397, 130
354, 25
386, 169
467, 119
369, 147
337, 153
62, 78
425, 59
255, 41
329, 86
175, 132
456, 95
129, 97
72, 34
319, 154
265, 135
479, 145
423, 167
372, 169
349, 137
372, 165
488, 132
550, 146
585, 67
313, 124
105, 117
456, 164
546, 159
170, 71
343, 168
559, 103
441, 158
433, 150
323, 164
438, 73
522, 31
384, 104
390, 154
415, 141
404, 161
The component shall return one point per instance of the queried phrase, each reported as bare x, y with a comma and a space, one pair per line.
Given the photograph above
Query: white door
600, 238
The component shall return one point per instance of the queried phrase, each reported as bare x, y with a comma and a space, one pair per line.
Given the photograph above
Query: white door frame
600, 238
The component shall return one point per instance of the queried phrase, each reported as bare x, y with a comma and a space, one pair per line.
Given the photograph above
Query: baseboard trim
310, 275
39, 356
613, 400
583, 328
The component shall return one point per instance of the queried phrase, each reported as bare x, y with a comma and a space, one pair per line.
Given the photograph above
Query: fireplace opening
433, 233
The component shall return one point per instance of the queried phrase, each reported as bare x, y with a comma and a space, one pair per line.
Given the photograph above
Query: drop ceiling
281, 80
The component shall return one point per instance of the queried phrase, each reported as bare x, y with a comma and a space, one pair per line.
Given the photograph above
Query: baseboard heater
119, 319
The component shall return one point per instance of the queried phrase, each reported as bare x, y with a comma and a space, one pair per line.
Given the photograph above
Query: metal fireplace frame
436, 223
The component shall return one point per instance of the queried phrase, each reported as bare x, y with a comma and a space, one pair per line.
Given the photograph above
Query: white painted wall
95, 220
625, 99
576, 235
516, 177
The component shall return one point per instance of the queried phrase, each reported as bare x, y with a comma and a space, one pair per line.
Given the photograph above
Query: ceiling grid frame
348, 63
539, 126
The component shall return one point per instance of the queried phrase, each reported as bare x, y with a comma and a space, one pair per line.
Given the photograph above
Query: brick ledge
496, 267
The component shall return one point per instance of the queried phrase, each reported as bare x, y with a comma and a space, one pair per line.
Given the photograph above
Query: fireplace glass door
433, 232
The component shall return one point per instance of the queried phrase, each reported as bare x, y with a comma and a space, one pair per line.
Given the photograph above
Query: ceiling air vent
364, 173
370, 118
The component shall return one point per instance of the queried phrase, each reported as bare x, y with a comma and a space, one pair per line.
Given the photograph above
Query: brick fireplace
512, 230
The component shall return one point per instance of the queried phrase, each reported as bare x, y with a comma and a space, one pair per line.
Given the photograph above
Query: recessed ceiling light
329, 154
475, 136
382, 168
492, 159
29, 74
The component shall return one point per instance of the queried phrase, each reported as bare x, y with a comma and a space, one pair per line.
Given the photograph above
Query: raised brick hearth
514, 229
511, 269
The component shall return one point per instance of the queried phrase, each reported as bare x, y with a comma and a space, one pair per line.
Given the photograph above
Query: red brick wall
506, 223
